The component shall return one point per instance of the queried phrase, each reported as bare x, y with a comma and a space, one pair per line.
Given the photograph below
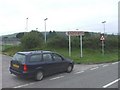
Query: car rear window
19, 57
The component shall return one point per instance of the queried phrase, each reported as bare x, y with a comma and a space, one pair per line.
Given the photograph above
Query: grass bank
89, 56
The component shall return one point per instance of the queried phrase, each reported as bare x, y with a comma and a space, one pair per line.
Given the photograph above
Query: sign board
75, 33
102, 38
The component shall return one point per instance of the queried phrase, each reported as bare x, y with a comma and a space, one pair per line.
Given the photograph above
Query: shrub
58, 41
31, 40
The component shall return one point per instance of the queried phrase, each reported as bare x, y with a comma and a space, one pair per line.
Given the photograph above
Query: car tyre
69, 68
39, 76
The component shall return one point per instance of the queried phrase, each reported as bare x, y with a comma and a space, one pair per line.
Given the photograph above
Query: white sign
102, 38
75, 33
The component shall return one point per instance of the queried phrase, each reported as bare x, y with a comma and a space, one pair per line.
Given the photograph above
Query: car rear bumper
22, 74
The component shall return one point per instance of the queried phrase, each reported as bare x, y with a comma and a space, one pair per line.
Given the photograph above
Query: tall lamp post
104, 26
26, 24
45, 30
36, 29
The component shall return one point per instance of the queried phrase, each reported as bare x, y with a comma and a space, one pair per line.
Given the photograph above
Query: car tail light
25, 68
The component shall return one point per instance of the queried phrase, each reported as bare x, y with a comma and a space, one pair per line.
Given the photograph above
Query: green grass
96, 58
3, 47
89, 56
10, 50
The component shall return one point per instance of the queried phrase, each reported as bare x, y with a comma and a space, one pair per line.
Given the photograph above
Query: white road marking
56, 78
115, 63
105, 65
111, 83
23, 85
94, 68
79, 72
102, 64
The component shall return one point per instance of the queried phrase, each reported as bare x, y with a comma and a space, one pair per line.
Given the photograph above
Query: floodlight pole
104, 26
45, 30
36, 29
26, 24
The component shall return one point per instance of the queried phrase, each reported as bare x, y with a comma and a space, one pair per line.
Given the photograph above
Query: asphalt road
83, 76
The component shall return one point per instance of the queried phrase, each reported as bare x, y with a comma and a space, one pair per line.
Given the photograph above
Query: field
89, 56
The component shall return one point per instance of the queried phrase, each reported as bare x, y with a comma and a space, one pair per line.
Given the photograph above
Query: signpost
102, 39
75, 33
81, 45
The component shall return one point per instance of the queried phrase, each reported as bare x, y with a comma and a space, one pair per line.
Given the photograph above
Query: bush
75, 41
88, 42
20, 35
111, 42
58, 41
91, 43
31, 40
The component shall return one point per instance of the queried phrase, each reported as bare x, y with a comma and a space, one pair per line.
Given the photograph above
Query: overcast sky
63, 15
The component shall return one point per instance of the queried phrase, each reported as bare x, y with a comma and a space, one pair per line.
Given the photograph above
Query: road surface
83, 76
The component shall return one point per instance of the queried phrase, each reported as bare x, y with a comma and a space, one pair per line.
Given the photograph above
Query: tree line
35, 39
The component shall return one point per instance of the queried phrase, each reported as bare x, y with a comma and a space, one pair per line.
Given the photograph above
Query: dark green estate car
38, 64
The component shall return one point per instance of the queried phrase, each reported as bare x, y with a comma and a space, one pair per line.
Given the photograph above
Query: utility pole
26, 24
45, 30
104, 26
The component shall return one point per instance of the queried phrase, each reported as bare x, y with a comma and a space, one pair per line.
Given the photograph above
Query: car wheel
69, 68
39, 76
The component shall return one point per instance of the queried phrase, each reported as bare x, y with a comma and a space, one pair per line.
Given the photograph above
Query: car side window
47, 57
57, 57
35, 58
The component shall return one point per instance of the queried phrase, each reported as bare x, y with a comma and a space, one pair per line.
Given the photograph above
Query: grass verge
89, 56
